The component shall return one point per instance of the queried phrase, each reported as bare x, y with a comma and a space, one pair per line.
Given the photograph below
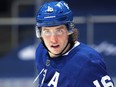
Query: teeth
55, 45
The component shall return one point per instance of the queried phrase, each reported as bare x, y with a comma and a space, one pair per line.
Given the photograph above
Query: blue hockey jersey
80, 67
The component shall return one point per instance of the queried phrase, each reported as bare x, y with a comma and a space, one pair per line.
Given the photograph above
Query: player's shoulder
40, 53
83, 56
90, 57
40, 49
87, 65
86, 52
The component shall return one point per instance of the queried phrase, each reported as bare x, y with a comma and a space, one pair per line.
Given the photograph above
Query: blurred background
95, 19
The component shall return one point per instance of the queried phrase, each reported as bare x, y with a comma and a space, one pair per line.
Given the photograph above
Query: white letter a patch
54, 80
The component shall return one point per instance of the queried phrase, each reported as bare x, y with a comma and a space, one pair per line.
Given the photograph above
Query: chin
55, 52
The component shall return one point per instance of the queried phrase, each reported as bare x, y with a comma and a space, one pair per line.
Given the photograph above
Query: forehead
54, 27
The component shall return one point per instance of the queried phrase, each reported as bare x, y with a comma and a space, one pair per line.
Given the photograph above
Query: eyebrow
45, 29
60, 27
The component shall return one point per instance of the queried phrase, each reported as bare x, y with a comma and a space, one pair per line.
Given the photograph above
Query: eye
46, 33
60, 32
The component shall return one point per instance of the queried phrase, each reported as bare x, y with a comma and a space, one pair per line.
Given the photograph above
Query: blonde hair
75, 35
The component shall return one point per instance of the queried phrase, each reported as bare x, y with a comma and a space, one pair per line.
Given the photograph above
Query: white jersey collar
76, 44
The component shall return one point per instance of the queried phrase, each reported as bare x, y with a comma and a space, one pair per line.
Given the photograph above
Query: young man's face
55, 38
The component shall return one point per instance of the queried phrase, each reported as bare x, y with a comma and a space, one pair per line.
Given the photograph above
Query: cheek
64, 40
46, 40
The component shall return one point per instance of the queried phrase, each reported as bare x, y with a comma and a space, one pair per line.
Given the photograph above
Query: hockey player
63, 61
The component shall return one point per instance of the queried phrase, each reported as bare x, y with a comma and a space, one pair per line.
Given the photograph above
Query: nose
54, 38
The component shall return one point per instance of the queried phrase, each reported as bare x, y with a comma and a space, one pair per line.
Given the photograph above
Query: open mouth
54, 46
